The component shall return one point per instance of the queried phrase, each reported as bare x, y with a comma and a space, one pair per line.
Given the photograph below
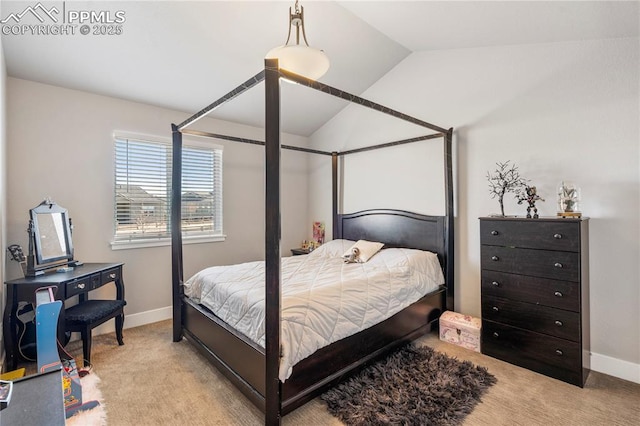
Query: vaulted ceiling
183, 55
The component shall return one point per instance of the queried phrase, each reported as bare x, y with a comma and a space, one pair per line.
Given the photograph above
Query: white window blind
143, 190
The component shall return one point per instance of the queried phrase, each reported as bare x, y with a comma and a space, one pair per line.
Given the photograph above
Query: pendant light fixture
300, 58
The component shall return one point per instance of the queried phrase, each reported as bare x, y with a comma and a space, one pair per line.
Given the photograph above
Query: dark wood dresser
535, 294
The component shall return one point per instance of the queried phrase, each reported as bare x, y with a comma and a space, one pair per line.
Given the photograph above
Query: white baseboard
134, 320
615, 367
601, 363
148, 317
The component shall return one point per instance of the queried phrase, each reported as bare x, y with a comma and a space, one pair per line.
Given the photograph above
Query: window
142, 181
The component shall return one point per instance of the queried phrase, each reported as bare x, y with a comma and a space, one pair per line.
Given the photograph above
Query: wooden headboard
396, 228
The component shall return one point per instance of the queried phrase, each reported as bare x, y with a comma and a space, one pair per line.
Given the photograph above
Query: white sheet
323, 298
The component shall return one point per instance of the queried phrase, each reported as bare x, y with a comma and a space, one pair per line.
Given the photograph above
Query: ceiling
183, 55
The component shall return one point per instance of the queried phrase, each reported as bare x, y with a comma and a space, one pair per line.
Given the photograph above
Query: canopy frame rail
253, 81
325, 88
390, 144
251, 141
313, 84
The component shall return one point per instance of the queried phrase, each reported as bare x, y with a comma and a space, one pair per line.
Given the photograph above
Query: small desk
78, 282
36, 400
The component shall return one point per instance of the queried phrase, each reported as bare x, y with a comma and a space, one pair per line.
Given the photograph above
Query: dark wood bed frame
253, 369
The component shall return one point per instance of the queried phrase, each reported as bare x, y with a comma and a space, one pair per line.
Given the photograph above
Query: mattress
324, 299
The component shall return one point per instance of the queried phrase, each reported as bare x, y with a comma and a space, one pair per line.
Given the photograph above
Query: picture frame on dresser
535, 294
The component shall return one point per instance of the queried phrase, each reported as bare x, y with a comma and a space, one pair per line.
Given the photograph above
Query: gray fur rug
412, 386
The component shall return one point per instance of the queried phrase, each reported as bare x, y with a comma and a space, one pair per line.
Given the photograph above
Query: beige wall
559, 111
60, 145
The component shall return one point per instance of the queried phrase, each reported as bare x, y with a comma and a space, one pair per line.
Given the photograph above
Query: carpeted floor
151, 381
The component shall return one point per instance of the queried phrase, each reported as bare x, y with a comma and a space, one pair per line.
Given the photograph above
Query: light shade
300, 59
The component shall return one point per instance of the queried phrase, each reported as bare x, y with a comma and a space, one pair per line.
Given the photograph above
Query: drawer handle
112, 276
494, 232
557, 294
495, 308
559, 352
495, 258
557, 236
559, 323
495, 334
495, 284
558, 265
81, 286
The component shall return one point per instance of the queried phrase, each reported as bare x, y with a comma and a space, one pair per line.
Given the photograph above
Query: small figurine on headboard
530, 195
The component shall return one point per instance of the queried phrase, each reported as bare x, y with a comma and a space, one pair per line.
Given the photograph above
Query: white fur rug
90, 392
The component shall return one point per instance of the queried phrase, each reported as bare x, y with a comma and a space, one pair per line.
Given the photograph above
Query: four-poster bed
255, 369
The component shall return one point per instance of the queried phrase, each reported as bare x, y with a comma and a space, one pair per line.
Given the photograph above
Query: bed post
449, 236
176, 232
273, 400
334, 193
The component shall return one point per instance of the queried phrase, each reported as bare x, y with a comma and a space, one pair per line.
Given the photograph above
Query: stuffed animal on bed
353, 256
361, 251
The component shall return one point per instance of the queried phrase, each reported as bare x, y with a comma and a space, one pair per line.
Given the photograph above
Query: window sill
160, 242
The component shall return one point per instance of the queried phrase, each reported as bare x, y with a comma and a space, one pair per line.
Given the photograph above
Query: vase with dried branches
505, 178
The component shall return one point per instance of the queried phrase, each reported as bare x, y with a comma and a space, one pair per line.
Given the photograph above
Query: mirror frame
48, 207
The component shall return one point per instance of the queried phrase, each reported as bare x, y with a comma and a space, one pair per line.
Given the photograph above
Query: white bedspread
323, 298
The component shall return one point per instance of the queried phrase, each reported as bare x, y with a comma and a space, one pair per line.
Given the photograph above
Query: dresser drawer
541, 319
547, 355
110, 275
82, 285
559, 265
555, 235
542, 291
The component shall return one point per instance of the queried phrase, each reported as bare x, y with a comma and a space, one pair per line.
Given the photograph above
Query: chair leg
86, 345
119, 326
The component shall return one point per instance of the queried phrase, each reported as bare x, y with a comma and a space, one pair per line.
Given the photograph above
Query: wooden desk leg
120, 318
119, 287
119, 326
85, 335
9, 329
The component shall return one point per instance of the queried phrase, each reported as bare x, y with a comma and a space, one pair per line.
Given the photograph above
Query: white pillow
362, 251
333, 248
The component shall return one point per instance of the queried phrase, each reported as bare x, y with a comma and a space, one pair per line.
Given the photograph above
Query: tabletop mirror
50, 244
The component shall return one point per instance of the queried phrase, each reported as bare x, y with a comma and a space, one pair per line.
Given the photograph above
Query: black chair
89, 314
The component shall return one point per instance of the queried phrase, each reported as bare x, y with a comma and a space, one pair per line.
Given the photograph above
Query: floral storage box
461, 330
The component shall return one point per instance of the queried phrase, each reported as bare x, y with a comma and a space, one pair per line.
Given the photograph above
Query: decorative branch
506, 178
